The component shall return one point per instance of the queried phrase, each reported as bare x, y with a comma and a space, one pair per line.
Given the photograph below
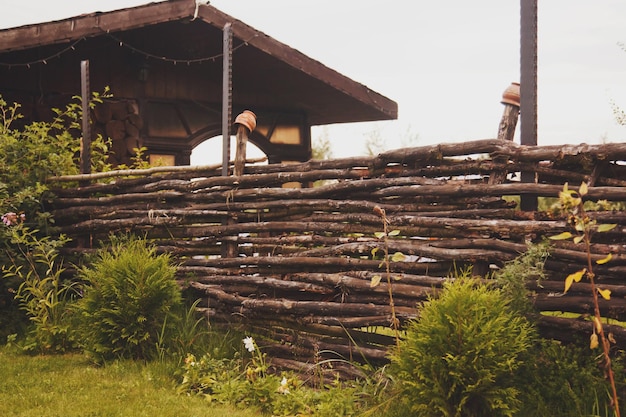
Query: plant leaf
578, 239
597, 323
397, 277
604, 260
561, 236
374, 250
606, 294
583, 189
375, 281
611, 338
606, 227
593, 343
379, 235
398, 257
576, 276
393, 233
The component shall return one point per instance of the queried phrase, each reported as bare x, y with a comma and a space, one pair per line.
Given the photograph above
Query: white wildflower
283, 389
248, 342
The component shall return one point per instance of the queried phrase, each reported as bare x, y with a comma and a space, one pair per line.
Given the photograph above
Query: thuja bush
459, 358
540, 378
129, 295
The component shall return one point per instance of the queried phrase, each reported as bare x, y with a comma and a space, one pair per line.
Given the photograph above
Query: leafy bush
460, 356
129, 294
39, 150
35, 266
31, 154
563, 381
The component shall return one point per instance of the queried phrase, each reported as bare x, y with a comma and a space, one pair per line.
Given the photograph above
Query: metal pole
229, 249
528, 89
85, 143
226, 96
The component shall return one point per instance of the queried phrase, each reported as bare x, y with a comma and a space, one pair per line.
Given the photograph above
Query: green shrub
41, 149
36, 270
129, 294
459, 358
564, 380
31, 153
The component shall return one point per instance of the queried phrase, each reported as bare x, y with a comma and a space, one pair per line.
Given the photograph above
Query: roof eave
93, 24
301, 62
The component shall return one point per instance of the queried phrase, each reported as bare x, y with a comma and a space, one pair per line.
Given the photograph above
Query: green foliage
40, 150
246, 383
386, 262
322, 146
459, 357
514, 275
572, 204
129, 295
35, 269
30, 155
562, 381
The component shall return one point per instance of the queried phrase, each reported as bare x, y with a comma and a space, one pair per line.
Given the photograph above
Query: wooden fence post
506, 130
246, 123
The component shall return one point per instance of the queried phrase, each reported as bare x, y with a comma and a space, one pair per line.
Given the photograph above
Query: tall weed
36, 269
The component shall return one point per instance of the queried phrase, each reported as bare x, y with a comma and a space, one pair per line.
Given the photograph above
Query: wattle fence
288, 251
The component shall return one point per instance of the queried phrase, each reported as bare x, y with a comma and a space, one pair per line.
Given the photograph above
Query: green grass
69, 386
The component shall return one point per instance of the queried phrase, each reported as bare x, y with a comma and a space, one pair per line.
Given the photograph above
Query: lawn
69, 386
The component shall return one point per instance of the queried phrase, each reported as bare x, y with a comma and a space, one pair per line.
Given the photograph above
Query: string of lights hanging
122, 43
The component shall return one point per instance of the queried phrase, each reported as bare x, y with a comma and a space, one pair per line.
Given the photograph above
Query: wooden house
164, 65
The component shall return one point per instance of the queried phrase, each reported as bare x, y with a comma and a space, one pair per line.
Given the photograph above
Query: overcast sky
446, 62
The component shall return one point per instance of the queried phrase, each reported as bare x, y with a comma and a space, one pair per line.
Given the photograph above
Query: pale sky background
446, 62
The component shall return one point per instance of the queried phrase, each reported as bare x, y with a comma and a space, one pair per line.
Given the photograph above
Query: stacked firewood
296, 264
119, 120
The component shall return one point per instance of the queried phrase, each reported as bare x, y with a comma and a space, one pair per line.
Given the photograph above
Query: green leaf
583, 189
606, 227
398, 257
394, 233
593, 342
562, 236
604, 260
374, 251
379, 235
375, 281
579, 239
